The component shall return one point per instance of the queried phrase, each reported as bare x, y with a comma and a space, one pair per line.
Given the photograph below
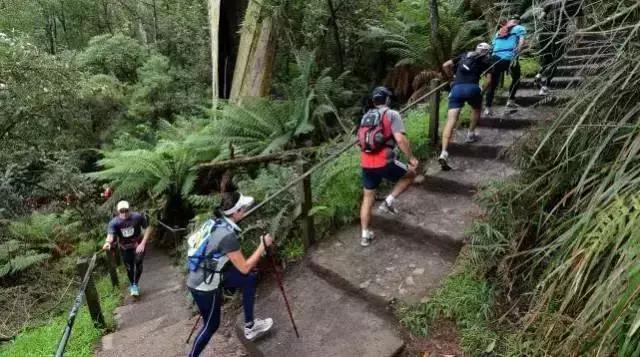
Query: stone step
168, 341
507, 118
173, 305
586, 59
392, 268
591, 49
428, 215
577, 70
467, 174
556, 82
493, 141
531, 97
331, 322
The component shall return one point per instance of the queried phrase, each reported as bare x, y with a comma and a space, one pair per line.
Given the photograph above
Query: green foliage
463, 297
337, 191
151, 95
407, 37
43, 340
117, 55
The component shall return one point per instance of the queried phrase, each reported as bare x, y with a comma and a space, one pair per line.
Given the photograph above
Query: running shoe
366, 240
471, 137
134, 290
443, 160
259, 328
544, 91
387, 208
488, 112
512, 104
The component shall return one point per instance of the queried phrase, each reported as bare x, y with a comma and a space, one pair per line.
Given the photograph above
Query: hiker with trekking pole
129, 231
217, 263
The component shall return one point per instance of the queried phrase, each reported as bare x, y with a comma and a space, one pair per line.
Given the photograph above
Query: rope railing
87, 291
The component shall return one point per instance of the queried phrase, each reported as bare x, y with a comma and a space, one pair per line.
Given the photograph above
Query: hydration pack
467, 62
197, 257
371, 133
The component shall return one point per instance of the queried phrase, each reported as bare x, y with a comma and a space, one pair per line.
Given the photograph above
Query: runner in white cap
129, 231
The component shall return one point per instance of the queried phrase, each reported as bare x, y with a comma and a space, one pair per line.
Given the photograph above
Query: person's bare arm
147, 234
447, 67
487, 82
405, 147
245, 265
109, 242
521, 43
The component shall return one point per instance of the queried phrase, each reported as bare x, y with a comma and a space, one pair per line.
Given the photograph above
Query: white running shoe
544, 91
260, 327
387, 208
488, 111
471, 137
366, 240
444, 157
512, 104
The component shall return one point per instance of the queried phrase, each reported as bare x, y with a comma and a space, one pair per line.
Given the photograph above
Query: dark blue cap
381, 92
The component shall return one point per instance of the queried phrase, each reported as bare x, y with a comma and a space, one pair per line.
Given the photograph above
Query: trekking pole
193, 329
278, 277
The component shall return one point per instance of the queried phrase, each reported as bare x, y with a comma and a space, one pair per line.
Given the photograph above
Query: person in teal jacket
507, 45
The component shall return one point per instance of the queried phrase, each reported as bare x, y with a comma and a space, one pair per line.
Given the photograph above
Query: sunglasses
123, 211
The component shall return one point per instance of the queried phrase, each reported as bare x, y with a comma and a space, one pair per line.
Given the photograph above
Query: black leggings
133, 263
502, 67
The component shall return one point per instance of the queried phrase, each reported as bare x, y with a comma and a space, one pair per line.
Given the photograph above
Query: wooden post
434, 118
306, 204
91, 294
111, 266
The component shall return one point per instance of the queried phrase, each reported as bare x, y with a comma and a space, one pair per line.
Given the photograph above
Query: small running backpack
467, 62
371, 134
197, 246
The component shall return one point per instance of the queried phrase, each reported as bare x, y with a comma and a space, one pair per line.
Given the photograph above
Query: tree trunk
252, 75
336, 35
435, 36
214, 25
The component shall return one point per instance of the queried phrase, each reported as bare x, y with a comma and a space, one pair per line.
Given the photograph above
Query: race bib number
127, 232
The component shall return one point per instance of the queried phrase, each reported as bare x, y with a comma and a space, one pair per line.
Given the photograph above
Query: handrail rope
331, 157
76, 306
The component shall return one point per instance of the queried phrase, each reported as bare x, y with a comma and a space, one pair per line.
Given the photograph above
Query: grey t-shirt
223, 240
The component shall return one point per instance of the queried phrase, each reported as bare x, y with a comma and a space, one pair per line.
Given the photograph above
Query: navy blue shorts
393, 172
465, 92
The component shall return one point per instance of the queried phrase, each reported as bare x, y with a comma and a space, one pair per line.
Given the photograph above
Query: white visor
244, 201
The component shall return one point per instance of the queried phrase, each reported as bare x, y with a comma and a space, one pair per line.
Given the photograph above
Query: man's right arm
447, 67
111, 229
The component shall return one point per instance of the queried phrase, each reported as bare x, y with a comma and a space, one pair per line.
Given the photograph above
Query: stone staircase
158, 323
342, 295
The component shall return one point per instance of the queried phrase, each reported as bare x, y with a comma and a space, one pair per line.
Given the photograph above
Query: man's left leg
399, 173
452, 118
515, 82
371, 179
138, 267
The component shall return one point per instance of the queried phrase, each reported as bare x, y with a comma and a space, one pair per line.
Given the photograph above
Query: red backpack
371, 133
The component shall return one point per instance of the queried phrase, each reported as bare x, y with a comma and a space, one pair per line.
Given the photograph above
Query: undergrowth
43, 340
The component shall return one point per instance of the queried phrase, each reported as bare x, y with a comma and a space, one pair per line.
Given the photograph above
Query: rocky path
158, 323
342, 295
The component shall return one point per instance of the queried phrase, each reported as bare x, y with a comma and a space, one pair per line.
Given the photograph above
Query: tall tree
214, 26
256, 54
434, 19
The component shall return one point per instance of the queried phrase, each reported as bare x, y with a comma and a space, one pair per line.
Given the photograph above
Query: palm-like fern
165, 173
261, 125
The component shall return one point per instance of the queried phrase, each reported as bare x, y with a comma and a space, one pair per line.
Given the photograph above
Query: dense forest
128, 95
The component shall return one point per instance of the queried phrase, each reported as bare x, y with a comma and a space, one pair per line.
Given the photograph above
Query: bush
43, 340
116, 55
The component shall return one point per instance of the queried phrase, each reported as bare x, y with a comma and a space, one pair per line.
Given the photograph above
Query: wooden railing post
91, 294
111, 266
306, 204
434, 117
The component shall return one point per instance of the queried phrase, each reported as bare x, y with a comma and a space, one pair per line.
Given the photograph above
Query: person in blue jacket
507, 44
